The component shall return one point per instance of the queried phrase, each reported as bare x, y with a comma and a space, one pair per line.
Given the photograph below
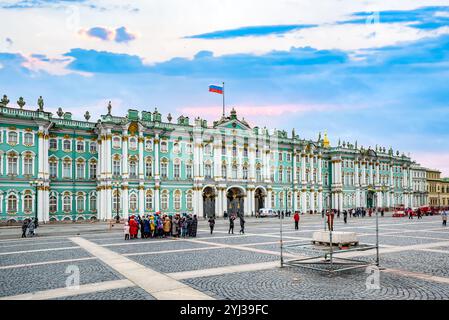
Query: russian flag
216, 89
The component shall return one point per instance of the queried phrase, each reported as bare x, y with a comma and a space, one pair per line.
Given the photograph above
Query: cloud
420, 18
433, 160
100, 33
250, 31
119, 35
27, 4
122, 35
104, 62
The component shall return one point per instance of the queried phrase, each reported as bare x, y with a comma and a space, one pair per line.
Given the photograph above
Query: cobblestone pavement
414, 253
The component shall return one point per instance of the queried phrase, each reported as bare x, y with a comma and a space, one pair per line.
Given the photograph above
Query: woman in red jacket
133, 228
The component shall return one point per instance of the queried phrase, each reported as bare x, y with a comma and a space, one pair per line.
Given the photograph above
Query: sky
375, 72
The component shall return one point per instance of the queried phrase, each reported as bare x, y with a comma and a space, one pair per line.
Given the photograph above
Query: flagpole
223, 100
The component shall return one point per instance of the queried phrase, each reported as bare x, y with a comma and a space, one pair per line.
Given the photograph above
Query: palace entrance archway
259, 197
236, 200
370, 199
208, 202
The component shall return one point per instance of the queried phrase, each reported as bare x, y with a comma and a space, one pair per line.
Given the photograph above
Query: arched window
177, 200
133, 202
66, 203
149, 168
80, 203
93, 203
12, 203
28, 139
189, 198
53, 202
281, 200
207, 149
12, 137
28, 202
289, 175
67, 145
149, 200
164, 200
281, 175
53, 167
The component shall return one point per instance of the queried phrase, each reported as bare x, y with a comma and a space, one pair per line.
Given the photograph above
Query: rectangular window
189, 171
93, 170
176, 171
28, 166
80, 170
53, 169
12, 165
66, 170
53, 144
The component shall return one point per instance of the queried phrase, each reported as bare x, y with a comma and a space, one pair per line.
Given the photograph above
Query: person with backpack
193, 226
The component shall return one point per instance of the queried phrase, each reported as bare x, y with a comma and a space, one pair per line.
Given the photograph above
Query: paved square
414, 253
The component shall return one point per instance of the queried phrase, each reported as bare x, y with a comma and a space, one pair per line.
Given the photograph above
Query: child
126, 231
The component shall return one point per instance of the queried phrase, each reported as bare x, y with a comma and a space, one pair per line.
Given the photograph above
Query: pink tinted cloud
433, 160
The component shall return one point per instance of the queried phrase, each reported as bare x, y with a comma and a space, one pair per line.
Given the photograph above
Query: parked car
266, 212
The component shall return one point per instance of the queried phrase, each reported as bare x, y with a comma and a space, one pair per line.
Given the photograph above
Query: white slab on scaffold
338, 237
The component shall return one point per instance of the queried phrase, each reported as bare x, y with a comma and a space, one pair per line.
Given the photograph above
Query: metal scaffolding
326, 258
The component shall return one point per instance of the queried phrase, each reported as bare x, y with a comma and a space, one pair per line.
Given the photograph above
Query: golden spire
326, 142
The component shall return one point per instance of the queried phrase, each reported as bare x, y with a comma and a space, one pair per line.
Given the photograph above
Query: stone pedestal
338, 237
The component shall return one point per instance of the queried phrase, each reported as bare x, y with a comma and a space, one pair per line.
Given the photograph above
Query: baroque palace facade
136, 164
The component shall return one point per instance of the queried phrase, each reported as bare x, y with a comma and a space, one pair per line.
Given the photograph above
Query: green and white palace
137, 164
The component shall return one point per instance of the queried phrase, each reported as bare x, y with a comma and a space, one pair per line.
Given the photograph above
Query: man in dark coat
24, 228
211, 224
242, 224
194, 226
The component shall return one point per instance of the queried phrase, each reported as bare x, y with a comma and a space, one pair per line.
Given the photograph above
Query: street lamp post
36, 184
117, 185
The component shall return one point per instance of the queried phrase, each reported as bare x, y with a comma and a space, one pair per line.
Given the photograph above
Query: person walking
242, 224
296, 218
146, 228
231, 224
133, 228
184, 226
24, 228
444, 214
211, 224
152, 226
330, 220
345, 216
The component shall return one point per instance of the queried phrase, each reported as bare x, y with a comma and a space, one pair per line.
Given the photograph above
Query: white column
312, 201
340, 201
320, 201
157, 199
125, 201
141, 200
377, 173
312, 157
125, 174
252, 160
295, 180
217, 160
303, 169
295, 195
320, 165
140, 139
303, 201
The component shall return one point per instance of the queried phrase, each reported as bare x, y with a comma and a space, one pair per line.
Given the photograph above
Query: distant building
438, 188
138, 164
